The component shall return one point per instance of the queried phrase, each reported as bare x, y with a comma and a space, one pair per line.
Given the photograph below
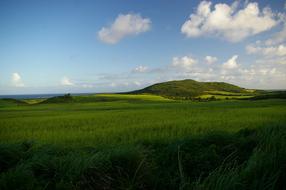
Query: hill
180, 90
270, 95
191, 89
59, 99
102, 98
11, 102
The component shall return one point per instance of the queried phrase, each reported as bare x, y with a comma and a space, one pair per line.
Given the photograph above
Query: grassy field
142, 142
125, 119
223, 95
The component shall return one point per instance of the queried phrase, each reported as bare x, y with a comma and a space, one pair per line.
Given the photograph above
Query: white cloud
87, 86
277, 38
270, 51
185, 62
137, 83
263, 74
210, 59
113, 84
231, 63
259, 74
66, 82
124, 25
228, 21
140, 69
281, 60
17, 80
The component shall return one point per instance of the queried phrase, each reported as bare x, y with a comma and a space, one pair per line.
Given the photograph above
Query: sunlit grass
142, 142
128, 122
135, 97
34, 101
224, 97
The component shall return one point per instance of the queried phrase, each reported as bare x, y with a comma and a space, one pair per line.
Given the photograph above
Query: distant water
37, 96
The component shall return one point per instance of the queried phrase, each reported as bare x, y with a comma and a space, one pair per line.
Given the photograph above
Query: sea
39, 96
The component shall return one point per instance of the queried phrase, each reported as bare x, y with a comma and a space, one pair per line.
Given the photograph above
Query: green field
125, 119
113, 141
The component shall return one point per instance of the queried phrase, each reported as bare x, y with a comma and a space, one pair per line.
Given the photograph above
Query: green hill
59, 99
11, 102
270, 95
191, 89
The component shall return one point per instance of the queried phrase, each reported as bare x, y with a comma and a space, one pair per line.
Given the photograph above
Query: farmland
125, 119
117, 141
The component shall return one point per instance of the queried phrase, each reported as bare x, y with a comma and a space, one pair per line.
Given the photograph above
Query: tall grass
265, 169
124, 122
144, 145
248, 159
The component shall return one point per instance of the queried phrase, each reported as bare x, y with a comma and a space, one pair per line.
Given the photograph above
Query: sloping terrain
11, 102
191, 88
103, 98
59, 99
270, 95
154, 145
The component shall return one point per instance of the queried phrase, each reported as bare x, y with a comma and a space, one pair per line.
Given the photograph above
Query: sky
73, 46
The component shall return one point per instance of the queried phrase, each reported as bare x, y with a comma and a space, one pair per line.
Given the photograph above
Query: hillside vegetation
188, 89
270, 95
11, 102
59, 99
100, 98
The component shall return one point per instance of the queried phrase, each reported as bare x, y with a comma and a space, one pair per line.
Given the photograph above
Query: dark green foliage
67, 98
270, 95
265, 169
18, 178
121, 168
249, 159
11, 102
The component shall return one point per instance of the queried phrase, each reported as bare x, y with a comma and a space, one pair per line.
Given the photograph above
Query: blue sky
108, 46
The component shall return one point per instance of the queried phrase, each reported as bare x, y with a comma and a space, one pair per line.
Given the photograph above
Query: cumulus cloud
65, 81
270, 51
124, 25
277, 38
229, 22
17, 80
258, 74
185, 62
231, 63
140, 69
137, 83
87, 86
210, 59
264, 74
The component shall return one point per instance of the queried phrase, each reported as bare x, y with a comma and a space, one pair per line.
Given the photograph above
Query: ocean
37, 96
